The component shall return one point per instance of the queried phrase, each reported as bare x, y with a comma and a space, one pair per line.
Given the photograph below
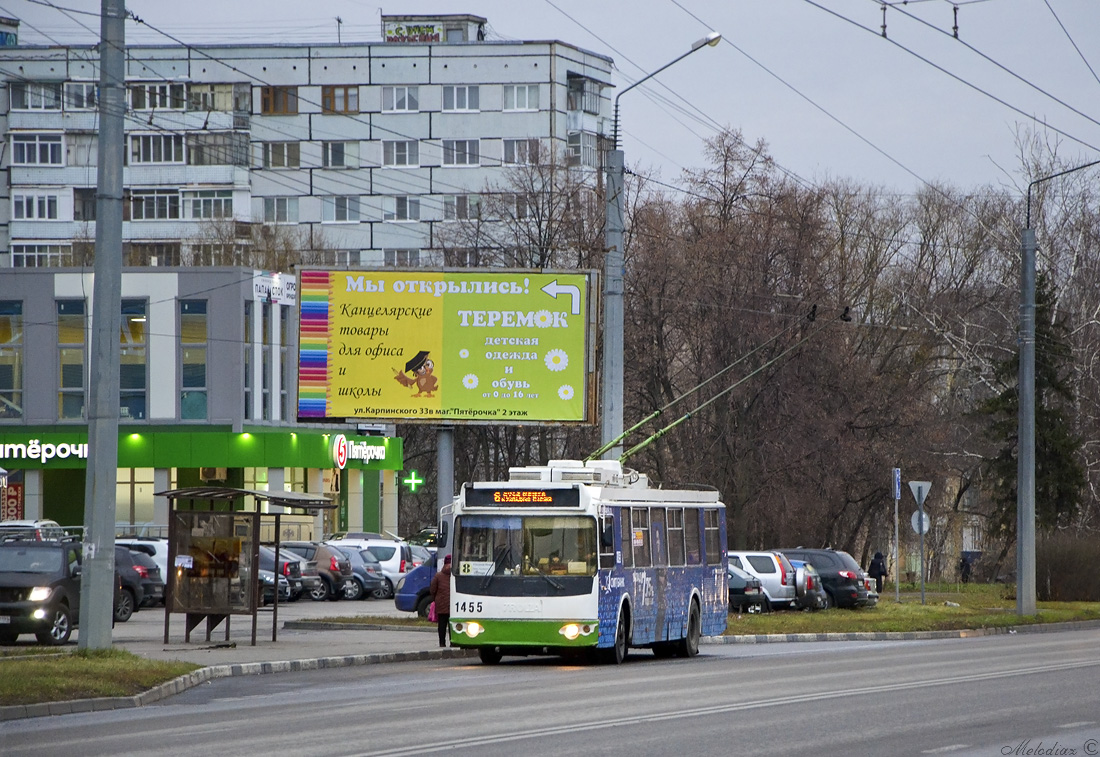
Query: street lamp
611, 413
1025, 461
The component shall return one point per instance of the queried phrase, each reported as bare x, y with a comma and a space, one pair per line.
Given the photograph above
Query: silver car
776, 574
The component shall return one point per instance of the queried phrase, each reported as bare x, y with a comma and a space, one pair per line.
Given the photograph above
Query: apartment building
341, 154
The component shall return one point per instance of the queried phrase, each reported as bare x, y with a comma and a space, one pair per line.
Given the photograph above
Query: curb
965, 633
202, 675
314, 625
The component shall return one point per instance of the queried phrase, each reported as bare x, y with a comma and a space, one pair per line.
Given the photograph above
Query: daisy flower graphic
543, 318
556, 360
469, 381
464, 353
565, 392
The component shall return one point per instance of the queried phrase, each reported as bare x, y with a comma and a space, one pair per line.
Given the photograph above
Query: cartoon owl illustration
421, 367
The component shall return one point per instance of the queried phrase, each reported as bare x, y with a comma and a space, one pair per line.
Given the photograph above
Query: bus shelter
214, 554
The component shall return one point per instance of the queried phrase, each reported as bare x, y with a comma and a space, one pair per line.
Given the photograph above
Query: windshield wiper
551, 581
493, 570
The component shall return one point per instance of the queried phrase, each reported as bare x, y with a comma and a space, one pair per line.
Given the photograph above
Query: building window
156, 148
81, 95
521, 97
280, 210
400, 100
401, 208
83, 203
340, 209
248, 360
154, 205
462, 257
148, 254
211, 97
461, 152
584, 94
401, 258
461, 207
404, 153
461, 99
193, 336
278, 101
210, 203
214, 254
281, 154
11, 359
71, 338
29, 95
582, 149
217, 149
132, 380
340, 154
265, 361
34, 207
36, 150
343, 99
40, 255
521, 152
157, 96
516, 203
82, 149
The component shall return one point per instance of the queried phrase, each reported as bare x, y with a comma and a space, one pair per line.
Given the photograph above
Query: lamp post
1025, 472
611, 412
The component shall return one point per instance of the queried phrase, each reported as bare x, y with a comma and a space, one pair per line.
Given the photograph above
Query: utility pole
97, 586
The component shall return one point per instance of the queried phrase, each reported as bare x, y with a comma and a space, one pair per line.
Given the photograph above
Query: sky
815, 79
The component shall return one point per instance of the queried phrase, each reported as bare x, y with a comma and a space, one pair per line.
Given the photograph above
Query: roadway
996, 695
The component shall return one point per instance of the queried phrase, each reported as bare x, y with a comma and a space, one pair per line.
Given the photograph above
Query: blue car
411, 593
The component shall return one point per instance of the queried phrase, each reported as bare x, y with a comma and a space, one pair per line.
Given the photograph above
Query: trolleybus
577, 557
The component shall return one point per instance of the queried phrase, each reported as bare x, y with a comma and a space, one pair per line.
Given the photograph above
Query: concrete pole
97, 588
611, 409
1025, 478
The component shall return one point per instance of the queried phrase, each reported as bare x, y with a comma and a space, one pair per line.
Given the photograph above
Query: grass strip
82, 674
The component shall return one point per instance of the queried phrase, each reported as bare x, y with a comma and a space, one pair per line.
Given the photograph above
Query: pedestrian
440, 589
964, 569
878, 570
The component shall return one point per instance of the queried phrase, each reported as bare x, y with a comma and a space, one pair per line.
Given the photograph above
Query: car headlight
267, 579
40, 593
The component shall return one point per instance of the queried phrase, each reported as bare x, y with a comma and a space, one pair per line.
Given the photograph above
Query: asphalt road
999, 695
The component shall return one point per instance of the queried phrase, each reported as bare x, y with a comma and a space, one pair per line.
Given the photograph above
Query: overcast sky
815, 79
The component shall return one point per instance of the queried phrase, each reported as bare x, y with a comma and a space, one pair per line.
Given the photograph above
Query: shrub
1065, 568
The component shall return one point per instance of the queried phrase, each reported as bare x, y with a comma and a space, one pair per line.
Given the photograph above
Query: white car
37, 530
776, 574
395, 557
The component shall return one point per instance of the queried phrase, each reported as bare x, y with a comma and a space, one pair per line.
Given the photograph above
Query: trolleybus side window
607, 541
675, 536
626, 538
640, 536
657, 539
710, 525
691, 537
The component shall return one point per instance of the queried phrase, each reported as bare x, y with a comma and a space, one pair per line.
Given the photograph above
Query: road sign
920, 490
897, 483
916, 521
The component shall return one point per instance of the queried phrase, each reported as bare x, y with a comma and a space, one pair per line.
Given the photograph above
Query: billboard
446, 346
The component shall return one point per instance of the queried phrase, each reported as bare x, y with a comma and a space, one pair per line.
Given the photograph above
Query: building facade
346, 154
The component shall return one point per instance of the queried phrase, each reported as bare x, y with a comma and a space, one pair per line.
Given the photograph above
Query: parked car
396, 558
133, 589
153, 546
843, 580
745, 592
332, 565
411, 590
152, 585
808, 587
425, 537
776, 576
268, 580
420, 555
39, 530
872, 592
366, 572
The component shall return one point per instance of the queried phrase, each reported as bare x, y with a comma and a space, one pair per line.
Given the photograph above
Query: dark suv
843, 579
39, 590
332, 564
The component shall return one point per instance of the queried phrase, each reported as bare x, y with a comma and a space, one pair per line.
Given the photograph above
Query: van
776, 574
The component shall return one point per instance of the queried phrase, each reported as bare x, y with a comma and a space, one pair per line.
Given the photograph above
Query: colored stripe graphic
315, 331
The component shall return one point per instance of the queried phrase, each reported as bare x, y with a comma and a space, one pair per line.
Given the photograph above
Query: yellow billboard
470, 345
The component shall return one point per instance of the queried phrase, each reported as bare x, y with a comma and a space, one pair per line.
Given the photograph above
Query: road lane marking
942, 749
1082, 724
785, 701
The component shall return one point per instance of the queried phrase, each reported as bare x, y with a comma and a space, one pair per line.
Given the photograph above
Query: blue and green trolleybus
574, 558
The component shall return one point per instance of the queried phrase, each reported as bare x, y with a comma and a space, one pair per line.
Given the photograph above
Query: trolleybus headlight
474, 629
570, 631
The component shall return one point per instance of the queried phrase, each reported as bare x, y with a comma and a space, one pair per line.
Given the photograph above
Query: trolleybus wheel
489, 655
689, 647
617, 653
